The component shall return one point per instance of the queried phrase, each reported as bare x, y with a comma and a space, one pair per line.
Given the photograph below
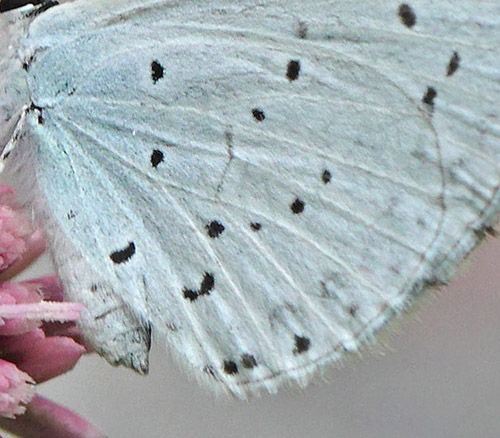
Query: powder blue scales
263, 186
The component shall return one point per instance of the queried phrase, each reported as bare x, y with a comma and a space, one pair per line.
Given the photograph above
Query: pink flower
16, 389
20, 244
38, 336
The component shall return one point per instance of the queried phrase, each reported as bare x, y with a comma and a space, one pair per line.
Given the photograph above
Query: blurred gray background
436, 375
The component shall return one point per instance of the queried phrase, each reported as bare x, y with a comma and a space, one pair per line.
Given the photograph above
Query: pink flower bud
20, 243
16, 390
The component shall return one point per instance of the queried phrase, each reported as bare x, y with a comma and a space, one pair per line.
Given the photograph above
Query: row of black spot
215, 228
292, 74
409, 19
431, 93
248, 361
207, 284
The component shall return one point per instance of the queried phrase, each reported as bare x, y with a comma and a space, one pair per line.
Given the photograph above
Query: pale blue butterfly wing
264, 185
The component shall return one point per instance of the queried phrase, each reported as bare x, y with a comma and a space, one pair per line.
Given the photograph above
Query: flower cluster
38, 336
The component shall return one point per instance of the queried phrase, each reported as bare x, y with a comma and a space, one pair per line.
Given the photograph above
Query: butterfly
262, 185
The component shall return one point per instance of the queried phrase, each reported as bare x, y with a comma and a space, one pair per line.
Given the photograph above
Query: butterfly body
262, 185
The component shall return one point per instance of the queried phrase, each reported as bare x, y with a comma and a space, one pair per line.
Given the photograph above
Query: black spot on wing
207, 284
214, 229
190, 294
453, 64
297, 206
248, 361
258, 114
157, 157
157, 71
429, 96
123, 255
407, 15
302, 344
293, 70
326, 177
255, 226
230, 367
